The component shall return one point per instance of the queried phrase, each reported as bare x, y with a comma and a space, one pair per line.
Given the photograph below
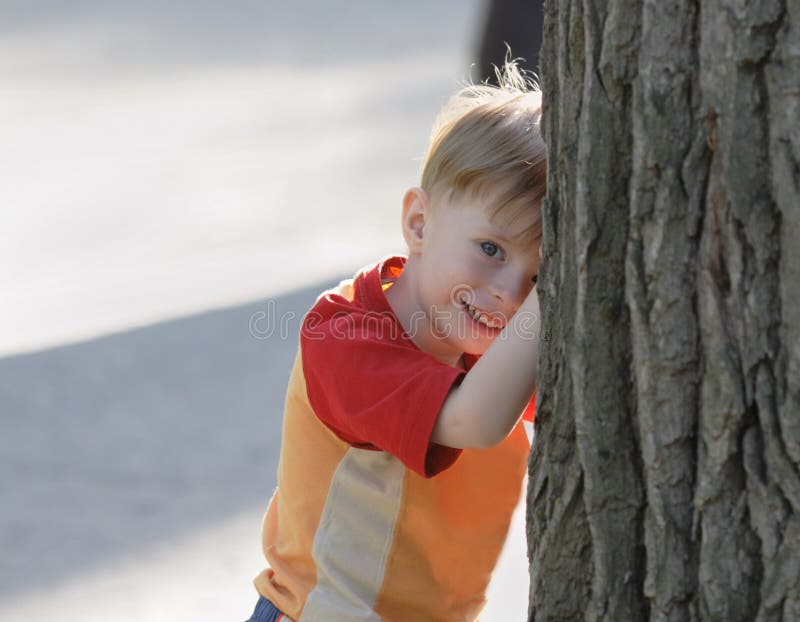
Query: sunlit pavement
176, 169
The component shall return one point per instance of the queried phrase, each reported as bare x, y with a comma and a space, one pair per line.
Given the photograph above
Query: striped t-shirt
370, 520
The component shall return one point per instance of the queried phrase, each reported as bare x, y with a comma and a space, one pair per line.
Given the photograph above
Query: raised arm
484, 409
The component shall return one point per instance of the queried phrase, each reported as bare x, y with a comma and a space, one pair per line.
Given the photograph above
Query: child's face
471, 266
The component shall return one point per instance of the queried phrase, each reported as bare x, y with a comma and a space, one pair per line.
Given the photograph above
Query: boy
403, 453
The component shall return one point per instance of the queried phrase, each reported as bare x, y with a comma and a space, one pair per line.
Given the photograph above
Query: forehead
517, 224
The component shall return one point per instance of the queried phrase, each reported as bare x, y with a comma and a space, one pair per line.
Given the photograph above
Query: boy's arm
485, 407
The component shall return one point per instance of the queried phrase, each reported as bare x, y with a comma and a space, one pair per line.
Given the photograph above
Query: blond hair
486, 141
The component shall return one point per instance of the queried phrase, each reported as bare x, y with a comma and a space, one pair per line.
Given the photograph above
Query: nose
511, 287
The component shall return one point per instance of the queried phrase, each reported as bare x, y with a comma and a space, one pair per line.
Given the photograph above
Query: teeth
482, 317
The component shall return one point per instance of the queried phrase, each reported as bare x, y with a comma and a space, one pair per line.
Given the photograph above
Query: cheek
476, 269
470, 274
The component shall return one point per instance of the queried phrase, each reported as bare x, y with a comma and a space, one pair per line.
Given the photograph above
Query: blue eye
490, 249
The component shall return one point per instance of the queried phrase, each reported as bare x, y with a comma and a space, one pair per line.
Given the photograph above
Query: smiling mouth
482, 317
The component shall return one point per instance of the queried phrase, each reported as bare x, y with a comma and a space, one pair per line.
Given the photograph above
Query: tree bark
665, 472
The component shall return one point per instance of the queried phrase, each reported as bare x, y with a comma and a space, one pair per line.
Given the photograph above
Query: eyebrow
496, 233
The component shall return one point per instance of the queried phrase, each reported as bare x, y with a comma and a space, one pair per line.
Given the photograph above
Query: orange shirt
371, 521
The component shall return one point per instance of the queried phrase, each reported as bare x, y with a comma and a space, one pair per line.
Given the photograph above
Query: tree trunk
665, 473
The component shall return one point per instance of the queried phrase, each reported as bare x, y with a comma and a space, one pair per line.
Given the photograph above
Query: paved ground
168, 172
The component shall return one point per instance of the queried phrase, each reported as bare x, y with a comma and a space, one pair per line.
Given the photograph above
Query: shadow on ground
135, 438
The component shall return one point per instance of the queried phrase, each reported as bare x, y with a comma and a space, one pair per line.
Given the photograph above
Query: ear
416, 206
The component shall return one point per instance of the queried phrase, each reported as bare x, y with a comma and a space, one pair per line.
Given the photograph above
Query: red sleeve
530, 410
376, 390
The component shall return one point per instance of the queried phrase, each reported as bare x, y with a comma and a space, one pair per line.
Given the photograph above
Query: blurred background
178, 181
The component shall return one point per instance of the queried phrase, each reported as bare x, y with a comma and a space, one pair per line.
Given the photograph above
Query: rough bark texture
665, 474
